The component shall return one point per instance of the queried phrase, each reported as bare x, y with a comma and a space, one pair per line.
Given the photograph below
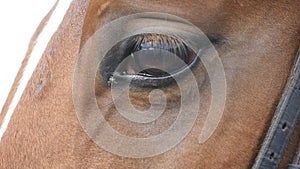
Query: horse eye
148, 60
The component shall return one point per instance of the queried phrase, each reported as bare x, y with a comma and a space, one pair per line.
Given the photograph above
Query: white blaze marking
35, 57
16, 32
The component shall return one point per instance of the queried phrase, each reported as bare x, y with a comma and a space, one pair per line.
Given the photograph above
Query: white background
18, 19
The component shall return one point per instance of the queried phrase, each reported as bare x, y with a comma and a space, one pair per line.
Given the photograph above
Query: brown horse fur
260, 40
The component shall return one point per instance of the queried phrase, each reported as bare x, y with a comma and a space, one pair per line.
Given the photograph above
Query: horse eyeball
148, 60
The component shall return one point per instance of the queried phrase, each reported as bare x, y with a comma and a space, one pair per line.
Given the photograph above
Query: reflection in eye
156, 55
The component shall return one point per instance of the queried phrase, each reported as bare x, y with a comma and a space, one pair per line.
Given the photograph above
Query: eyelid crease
215, 38
165, 19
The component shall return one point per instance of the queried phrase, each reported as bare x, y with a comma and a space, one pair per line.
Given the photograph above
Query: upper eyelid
215, 38
117, 30
164, 19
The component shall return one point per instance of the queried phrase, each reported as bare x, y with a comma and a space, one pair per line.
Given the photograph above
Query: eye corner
216, 39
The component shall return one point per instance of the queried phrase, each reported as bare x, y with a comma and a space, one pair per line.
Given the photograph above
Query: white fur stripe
35, 57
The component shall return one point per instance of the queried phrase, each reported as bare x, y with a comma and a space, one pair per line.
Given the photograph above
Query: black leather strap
293, 166
283, 123
296, 162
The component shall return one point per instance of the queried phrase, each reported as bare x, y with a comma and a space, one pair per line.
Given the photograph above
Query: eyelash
160, 41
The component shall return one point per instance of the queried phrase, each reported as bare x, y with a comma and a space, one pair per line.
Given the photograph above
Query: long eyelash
158, 41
